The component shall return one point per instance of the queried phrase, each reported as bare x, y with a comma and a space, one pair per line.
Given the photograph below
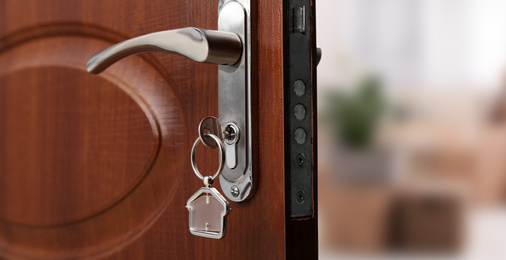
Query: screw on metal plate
300, 197
234, 191
300, 158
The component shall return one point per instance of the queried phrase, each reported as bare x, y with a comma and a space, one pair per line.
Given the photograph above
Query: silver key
228, 134
210, 126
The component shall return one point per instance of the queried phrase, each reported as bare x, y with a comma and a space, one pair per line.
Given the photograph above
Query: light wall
444, 45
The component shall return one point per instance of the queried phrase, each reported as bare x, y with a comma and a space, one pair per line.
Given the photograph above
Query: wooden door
99, 166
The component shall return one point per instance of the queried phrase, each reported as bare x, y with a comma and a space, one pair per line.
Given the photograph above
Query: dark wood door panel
98, 166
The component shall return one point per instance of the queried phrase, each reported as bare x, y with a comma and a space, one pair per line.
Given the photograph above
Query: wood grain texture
68, 146
154, 103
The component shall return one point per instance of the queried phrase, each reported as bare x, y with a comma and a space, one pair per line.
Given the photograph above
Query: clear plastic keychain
207, 208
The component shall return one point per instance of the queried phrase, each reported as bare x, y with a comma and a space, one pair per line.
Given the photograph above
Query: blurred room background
412, 129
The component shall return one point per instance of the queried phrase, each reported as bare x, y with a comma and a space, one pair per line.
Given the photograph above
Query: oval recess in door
69, 144
79, 151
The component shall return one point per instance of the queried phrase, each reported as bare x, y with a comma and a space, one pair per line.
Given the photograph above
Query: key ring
221, 156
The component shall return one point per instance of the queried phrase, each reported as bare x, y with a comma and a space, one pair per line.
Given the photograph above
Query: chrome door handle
230, 47
200, 45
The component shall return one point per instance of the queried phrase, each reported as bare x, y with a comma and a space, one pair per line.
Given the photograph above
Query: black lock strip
300, 109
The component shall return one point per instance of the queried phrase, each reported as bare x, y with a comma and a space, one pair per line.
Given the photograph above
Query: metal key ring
221, 156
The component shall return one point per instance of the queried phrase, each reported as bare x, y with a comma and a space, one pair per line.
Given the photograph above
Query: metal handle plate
235, 102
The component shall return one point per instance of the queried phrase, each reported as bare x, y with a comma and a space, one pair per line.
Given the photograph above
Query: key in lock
228, 133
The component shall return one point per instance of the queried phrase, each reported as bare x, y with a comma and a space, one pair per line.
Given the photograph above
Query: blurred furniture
429, 217
354, 218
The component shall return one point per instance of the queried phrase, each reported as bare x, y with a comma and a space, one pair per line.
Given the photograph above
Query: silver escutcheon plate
235, 100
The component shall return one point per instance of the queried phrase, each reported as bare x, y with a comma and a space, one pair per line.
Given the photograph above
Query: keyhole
231, 133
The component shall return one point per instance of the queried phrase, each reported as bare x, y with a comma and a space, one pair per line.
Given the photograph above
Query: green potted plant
354, 119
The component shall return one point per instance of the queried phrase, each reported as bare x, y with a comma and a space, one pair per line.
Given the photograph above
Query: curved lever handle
197, 44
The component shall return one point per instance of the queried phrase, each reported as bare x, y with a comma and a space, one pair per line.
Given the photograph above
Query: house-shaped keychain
207, 209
